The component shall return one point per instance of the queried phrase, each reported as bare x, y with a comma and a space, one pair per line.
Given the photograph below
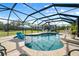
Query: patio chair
2, 50
69, 54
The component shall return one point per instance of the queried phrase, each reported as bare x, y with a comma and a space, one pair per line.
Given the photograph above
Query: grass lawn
3, 33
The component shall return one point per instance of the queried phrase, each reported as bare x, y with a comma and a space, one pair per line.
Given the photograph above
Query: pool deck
16, 47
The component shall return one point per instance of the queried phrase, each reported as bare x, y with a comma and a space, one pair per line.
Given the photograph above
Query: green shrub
73, 28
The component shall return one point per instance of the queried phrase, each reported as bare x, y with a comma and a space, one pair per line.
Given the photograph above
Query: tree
1, 25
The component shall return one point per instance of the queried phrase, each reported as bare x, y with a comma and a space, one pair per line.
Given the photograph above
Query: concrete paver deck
16, 47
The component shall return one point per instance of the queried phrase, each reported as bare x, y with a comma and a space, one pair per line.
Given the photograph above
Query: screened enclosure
37, 17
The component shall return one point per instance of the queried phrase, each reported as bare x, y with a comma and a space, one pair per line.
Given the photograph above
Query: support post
78, 27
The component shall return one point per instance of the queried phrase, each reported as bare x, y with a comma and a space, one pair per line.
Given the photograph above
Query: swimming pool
44, 41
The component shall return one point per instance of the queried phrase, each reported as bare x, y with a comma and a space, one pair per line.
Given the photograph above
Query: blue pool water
44, 41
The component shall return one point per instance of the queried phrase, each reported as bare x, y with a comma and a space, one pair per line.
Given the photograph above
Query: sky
37, 6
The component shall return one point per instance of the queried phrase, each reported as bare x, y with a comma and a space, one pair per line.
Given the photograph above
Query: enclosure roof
36, 13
